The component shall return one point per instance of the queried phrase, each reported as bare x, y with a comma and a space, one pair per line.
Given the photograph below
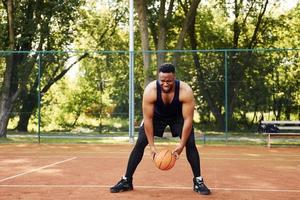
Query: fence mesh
86, 93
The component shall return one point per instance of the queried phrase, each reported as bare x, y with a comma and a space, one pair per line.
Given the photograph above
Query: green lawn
213, 138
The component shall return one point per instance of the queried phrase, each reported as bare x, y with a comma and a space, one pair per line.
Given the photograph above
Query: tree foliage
95, 35
33, 26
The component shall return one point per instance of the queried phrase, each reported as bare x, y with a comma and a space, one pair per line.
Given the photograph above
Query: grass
122, 138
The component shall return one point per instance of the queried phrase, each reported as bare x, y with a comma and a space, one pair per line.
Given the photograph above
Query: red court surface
85, 171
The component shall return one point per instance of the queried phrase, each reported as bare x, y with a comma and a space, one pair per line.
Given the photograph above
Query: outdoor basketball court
85, 171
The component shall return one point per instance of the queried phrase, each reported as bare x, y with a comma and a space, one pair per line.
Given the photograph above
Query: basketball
164, 160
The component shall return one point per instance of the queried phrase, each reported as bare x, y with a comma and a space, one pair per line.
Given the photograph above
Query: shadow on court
86, 171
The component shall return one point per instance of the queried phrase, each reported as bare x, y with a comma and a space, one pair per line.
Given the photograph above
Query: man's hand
153, 151
177, 151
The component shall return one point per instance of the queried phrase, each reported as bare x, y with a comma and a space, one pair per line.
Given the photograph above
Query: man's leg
137, 153
125, 184
192, 156
136, 156
191, 149
194, 160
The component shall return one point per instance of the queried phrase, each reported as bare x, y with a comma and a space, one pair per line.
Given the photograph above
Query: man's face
166, 81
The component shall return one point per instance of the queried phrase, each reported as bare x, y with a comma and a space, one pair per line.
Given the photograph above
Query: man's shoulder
150, 88
184, 85
151, 85
185, 90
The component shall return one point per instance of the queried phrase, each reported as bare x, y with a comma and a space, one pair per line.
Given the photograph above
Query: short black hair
167, 68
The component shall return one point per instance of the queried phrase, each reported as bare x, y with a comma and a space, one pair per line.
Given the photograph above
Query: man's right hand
153, 151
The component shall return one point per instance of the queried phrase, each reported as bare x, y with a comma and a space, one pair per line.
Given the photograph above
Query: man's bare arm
149, 98
188, 115
188, 106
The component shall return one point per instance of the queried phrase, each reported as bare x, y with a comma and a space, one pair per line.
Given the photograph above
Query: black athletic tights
176, 128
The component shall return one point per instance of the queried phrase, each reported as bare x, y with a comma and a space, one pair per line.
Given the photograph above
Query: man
166, 102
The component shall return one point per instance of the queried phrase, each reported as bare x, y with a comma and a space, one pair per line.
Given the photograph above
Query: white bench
293, 128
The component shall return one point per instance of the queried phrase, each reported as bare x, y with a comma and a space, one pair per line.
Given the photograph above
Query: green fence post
226, 93
131, 72
39, 99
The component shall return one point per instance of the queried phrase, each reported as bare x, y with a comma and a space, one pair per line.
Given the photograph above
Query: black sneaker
200, 187
125, 184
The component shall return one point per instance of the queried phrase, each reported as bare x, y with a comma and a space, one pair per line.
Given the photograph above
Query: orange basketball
164, 160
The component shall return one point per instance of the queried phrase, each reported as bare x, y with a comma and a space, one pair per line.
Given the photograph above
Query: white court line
184, 158
253, 159
216, 188
152, 187
37, 169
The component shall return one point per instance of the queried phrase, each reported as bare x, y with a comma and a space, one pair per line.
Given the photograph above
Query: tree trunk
23, 121
160, 28
4, 117
8, 94
5, 106
143, 27
29, 104
200, 77
162, 33
190, 14
237, 72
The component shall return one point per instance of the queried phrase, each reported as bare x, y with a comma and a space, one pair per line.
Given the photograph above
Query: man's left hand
177, 151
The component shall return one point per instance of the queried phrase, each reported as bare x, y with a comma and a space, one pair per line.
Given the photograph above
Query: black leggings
159, 127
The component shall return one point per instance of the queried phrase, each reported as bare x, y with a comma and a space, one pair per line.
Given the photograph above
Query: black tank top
168, 111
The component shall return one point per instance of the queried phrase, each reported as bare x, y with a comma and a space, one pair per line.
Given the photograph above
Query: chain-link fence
76, 93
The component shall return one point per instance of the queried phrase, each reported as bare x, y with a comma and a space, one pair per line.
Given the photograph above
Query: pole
39, 98
131, 73
226, 94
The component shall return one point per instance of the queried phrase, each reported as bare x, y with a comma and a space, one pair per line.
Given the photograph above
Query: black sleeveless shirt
168, 111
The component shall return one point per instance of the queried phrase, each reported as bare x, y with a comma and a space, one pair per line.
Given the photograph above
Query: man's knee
142, 140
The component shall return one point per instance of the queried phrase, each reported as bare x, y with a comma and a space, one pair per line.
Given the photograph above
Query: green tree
285, 83
159, 28
39, 26
103, 32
